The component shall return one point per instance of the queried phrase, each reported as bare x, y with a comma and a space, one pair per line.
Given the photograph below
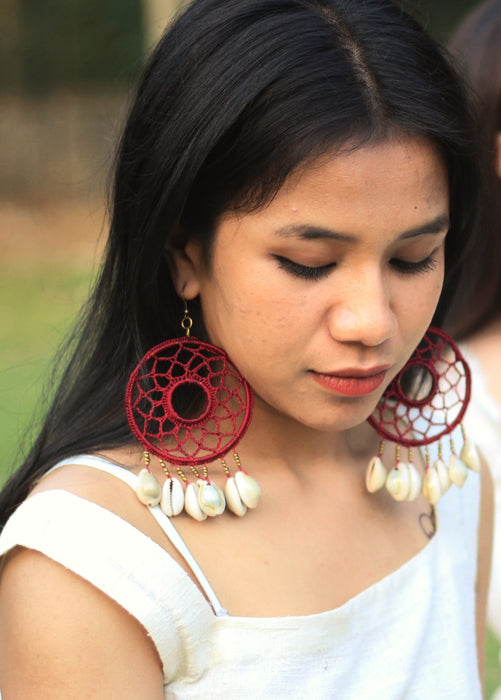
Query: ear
186, 269
497, 159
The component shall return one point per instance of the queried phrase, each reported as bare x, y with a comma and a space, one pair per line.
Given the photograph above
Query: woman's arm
484, 560
60, 637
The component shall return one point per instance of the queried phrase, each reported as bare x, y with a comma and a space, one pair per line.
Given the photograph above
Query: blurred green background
65, 69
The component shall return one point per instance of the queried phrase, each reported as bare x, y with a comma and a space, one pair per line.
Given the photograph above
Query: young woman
294, 186
476, 317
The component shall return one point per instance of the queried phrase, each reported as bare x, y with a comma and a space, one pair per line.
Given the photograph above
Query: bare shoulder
89, 482
104, 489
61, 637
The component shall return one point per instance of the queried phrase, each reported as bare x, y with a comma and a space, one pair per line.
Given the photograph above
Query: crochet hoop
428, 397
187, 403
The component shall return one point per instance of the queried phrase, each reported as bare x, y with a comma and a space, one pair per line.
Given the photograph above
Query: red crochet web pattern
187, 403
428, 397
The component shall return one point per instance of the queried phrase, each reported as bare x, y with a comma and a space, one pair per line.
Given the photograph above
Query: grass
492, 664
37, 307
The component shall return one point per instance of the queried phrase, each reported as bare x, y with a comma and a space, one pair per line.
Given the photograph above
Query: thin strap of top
165, 523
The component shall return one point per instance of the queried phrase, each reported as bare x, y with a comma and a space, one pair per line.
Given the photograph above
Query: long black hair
236, 96
476, 44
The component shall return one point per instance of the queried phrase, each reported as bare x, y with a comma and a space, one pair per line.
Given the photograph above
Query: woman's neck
299, 447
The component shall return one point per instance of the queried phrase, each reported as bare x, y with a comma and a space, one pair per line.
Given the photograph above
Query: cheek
439, 279
416, 303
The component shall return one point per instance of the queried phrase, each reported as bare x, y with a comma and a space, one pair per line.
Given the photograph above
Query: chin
336, 424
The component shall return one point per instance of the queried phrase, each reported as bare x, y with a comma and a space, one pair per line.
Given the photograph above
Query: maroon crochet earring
425, 402
187, 404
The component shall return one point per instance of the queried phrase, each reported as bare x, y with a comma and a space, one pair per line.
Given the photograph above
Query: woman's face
321, 296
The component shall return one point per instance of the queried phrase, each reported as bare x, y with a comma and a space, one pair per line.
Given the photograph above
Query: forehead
396, 184
407, 164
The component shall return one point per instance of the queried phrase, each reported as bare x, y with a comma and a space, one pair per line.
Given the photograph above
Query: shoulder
76, 495
93, 524
98, 487
81, 583
58, 635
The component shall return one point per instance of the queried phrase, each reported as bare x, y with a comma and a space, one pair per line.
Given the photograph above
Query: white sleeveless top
411, 635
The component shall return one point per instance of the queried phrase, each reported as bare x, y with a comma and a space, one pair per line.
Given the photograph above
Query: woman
476, 317
286, 180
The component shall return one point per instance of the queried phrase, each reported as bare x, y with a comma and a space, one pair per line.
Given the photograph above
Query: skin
353, 219
365, 221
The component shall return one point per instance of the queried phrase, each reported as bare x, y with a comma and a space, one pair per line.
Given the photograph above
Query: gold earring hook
187, 321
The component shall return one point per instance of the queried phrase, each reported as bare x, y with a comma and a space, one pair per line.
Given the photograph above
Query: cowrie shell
415, 483
233, 500
431, 486
375, 477
211, 499
398, 482
191, 504
148, 489
458, 471
443, 475
469, 455
248, 489
172, 501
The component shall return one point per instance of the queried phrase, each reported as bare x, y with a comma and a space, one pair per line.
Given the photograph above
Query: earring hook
186, 321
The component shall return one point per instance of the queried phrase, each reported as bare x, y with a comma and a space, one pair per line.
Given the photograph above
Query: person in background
475, 318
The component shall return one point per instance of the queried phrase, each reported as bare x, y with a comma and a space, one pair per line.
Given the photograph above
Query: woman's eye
303, 271
412, 268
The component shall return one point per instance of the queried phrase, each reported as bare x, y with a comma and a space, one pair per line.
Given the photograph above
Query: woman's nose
364, 313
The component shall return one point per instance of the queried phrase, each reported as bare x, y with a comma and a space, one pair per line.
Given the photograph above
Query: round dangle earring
425, 402
187, 404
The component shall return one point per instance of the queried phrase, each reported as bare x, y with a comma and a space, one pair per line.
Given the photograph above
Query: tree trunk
157, 14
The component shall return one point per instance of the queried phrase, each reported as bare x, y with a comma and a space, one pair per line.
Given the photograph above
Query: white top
483, 425
411, 635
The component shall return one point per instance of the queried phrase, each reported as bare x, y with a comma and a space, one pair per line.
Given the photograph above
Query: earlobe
186, 266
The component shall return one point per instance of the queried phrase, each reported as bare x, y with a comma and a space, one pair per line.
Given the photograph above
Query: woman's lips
352, 382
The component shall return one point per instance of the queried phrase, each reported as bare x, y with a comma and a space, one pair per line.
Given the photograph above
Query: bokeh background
66, 67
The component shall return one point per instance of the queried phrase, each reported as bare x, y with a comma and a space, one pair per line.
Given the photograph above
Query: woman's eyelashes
407, 267
303, 271
308, 272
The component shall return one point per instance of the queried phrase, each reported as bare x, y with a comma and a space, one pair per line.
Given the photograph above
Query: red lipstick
352, 382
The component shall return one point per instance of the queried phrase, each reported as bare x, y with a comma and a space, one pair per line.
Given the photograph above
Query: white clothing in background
483, 425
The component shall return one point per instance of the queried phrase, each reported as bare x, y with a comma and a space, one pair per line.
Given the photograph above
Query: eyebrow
434, 227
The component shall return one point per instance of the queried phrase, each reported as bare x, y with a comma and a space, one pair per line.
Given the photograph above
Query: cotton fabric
410, 635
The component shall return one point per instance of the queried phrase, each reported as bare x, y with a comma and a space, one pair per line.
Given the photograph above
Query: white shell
233, 500
431, 486
458, 471
443, 475
191, 505
248, 488
469, 455
211, 498
398, 481
415, 482
148, 489
172, 501
375, 476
